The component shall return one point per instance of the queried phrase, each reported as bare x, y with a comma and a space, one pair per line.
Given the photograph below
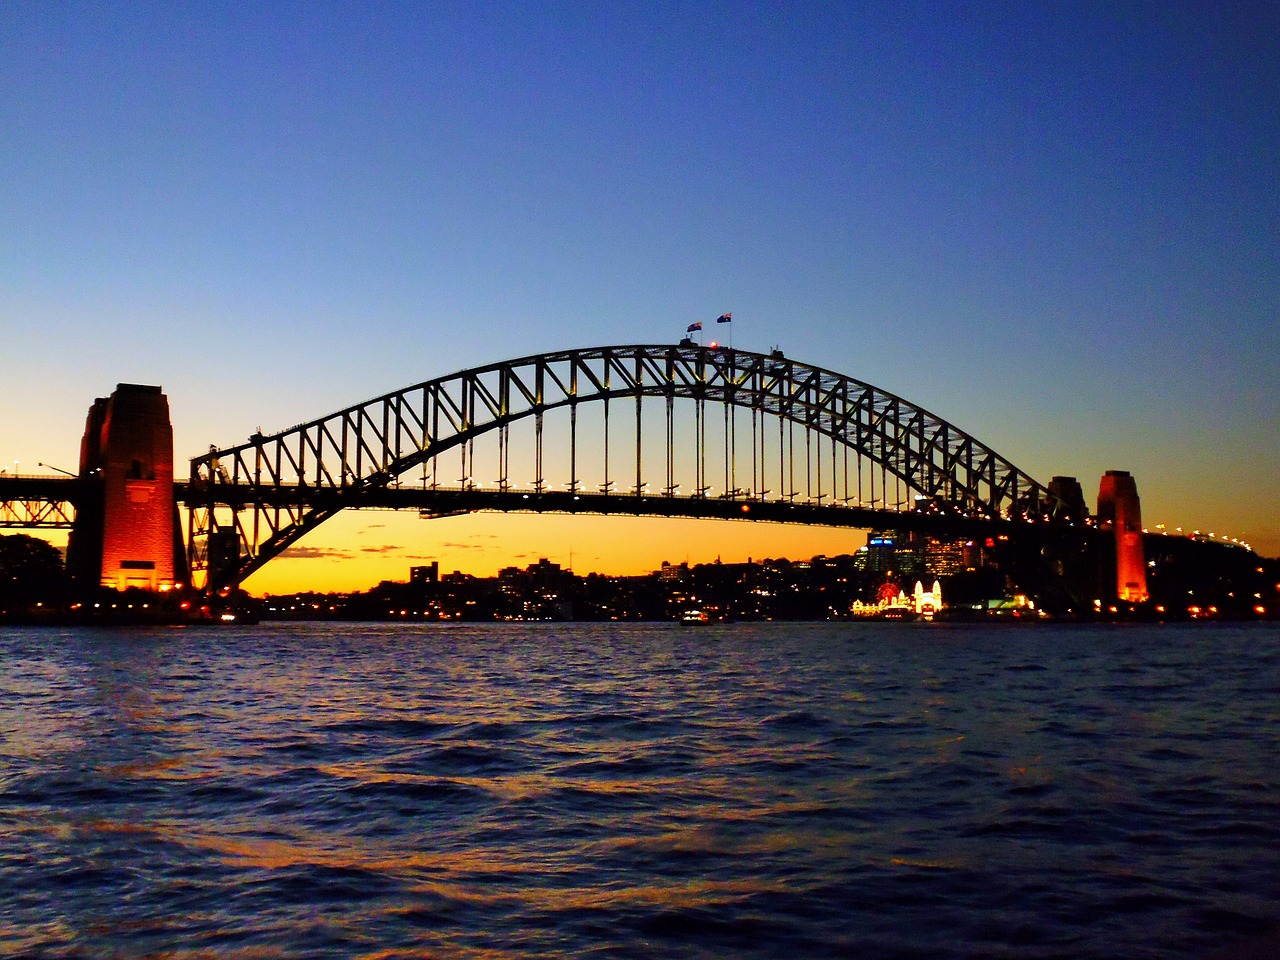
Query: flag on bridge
694, 326
724, 318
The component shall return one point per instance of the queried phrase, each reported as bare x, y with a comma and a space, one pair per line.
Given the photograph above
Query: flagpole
727, 318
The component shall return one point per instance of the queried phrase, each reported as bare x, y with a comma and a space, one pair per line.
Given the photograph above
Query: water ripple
388, 791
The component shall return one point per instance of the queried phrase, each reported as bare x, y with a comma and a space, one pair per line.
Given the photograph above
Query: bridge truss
38, 502
677, 430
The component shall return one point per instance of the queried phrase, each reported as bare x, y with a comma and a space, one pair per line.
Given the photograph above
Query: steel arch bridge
730, 433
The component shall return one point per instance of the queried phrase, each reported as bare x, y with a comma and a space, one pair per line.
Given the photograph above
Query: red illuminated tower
126, 533
1120, 510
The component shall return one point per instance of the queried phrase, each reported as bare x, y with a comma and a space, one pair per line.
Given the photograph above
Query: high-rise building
943, 558
881, 551
429, 573
673, 572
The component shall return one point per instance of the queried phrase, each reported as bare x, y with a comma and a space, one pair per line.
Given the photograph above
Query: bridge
678, 430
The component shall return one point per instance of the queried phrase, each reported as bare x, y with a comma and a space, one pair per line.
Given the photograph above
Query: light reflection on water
772, 790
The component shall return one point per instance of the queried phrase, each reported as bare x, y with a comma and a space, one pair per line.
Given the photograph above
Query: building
881, 552
427, 574
922, 603
944, 558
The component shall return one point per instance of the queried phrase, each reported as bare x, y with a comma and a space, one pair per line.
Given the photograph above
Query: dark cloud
316, 553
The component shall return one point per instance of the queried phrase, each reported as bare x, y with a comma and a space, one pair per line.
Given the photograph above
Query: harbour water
773, 790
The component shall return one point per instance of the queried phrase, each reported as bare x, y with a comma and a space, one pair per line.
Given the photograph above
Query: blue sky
1056, 225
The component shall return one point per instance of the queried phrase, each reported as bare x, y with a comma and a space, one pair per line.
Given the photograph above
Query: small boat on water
695, 617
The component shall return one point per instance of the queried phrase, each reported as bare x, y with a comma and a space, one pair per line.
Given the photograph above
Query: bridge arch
250, 502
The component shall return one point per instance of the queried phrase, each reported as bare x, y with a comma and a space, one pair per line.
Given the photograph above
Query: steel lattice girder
367, 446
38, 501
37, 513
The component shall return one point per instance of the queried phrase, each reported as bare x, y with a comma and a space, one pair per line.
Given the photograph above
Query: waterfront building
891, 603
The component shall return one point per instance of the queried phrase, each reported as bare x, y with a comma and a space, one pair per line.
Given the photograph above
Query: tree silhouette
31, 571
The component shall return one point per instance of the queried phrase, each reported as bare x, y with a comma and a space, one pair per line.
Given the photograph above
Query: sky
1056, 226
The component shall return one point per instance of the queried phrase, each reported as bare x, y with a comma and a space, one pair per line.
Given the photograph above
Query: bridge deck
448, 501
50, 502
38, 501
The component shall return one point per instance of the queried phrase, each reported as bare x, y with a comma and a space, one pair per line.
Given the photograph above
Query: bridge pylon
126, 531
1120, 514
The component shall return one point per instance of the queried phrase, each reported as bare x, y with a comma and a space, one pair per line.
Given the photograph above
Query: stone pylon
1120, 511
126, 530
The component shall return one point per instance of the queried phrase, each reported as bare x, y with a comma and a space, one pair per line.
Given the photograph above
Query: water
828, 790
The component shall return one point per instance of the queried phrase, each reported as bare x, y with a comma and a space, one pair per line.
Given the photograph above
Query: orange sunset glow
354, 551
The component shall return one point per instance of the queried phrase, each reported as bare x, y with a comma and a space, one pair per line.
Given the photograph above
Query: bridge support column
1120, 511
126, 532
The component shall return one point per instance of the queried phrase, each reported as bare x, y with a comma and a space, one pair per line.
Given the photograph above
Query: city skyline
1055, 229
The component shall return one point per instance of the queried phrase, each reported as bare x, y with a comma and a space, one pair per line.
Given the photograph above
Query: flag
724, 318
694, 326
